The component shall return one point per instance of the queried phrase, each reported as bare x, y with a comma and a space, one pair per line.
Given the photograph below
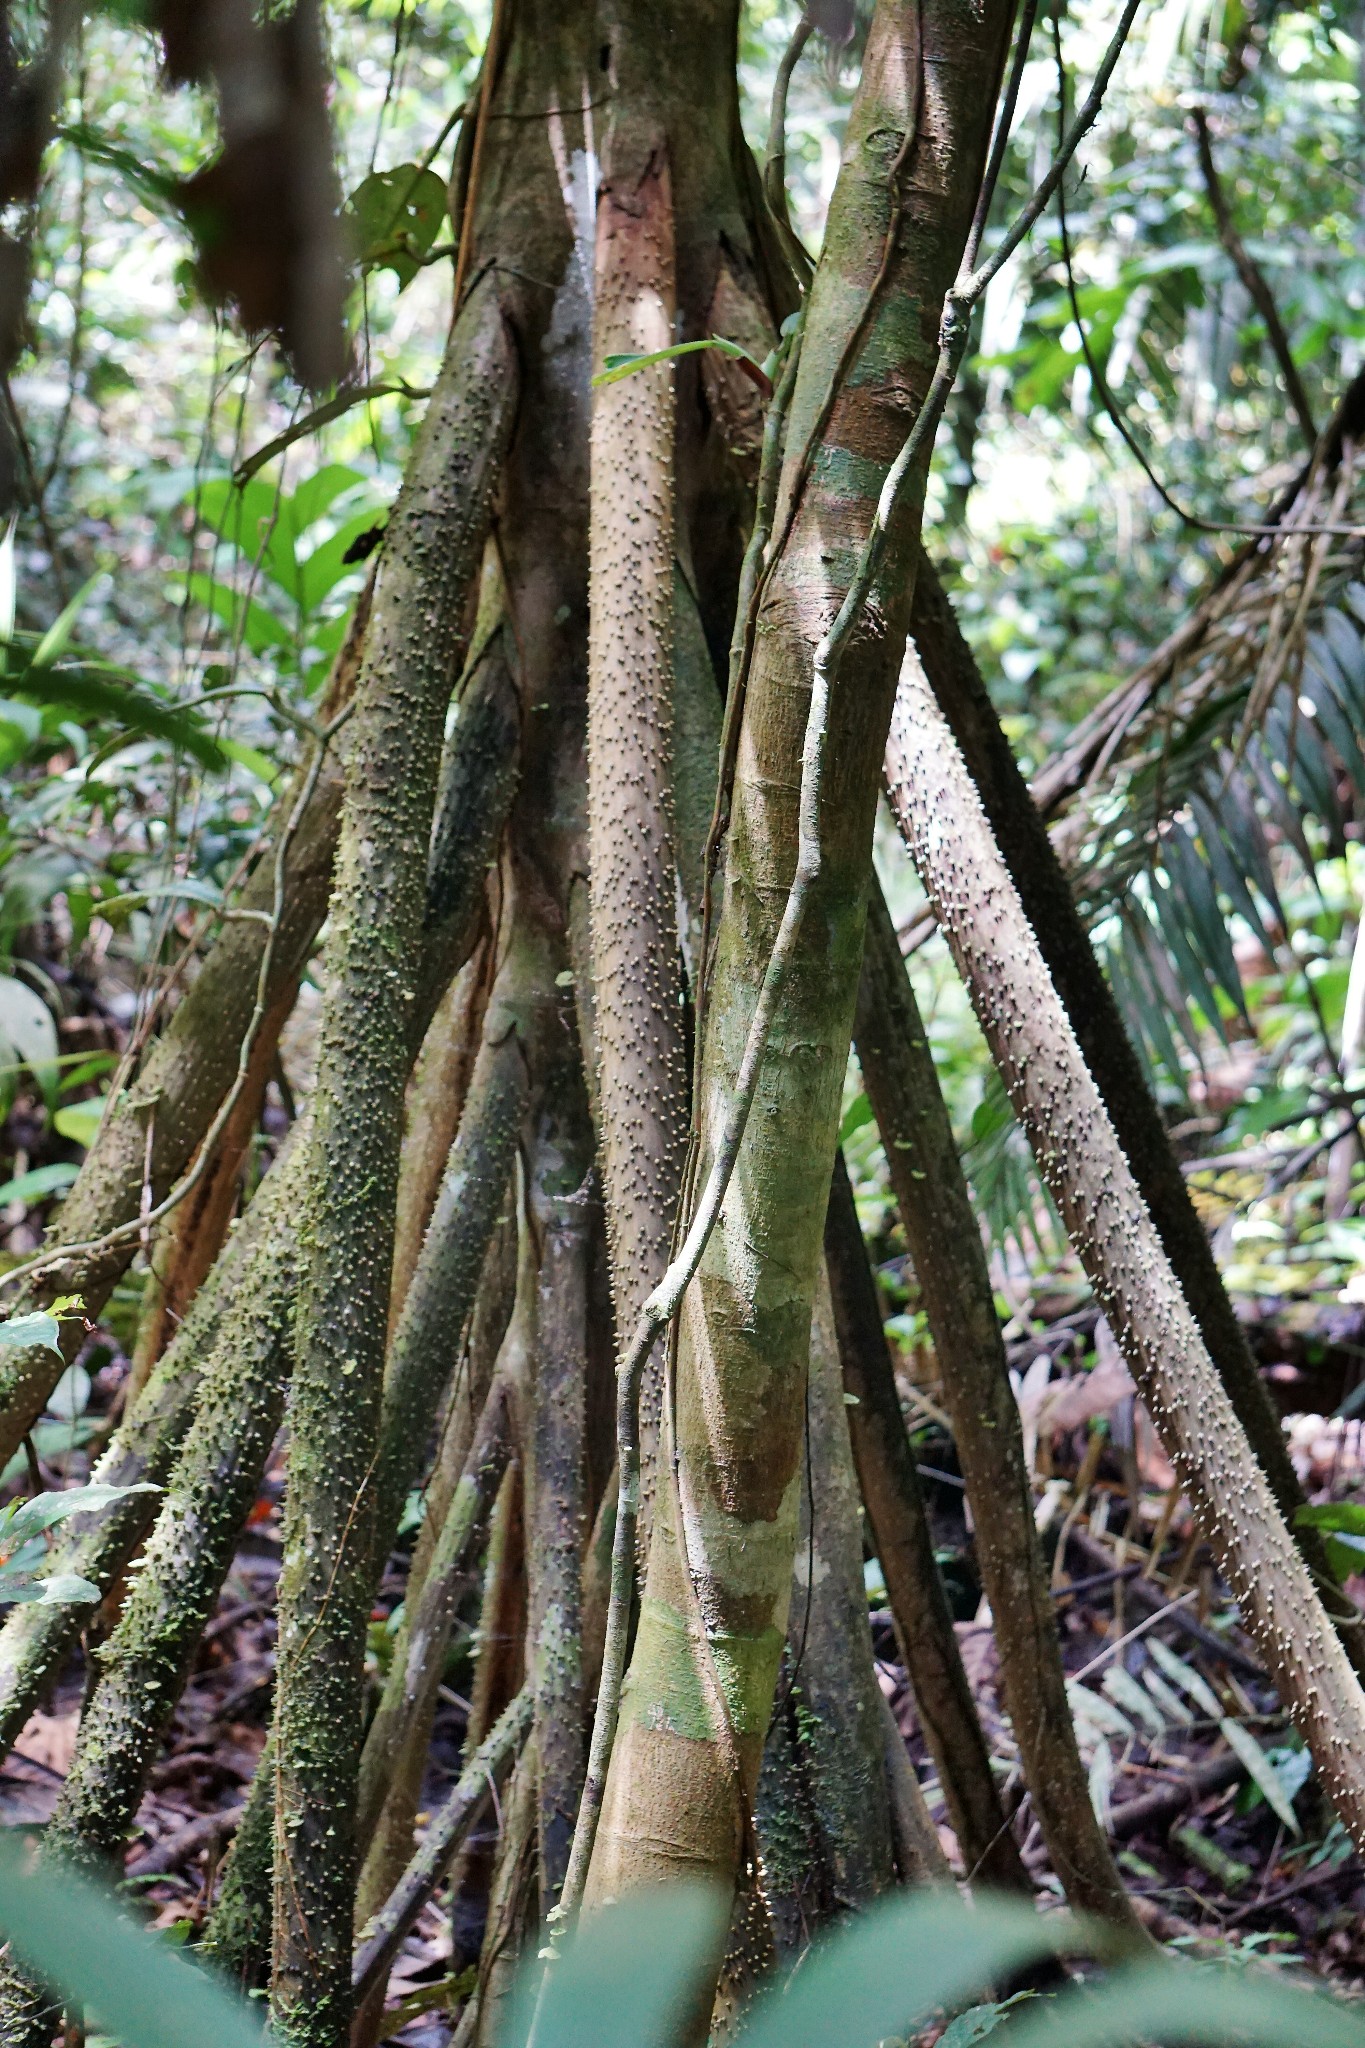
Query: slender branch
321, 416
1000, 141
971, 285
775, 157
383, 1937
1253, 277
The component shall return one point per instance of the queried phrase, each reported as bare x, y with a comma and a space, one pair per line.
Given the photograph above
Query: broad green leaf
98, 692
324, 568
37, 1328
38, 1182
979, 2021
79, 1121
887, 1971
856, 1116
62, 1589
25, 1519
255, 518
396, 217
1262, 1772
628, 1975
258, 625
1345, 1515
316, 494
1173, 2002
27, 1031
73, 1936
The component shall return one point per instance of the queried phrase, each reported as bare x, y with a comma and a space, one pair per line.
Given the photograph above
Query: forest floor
1151, 1652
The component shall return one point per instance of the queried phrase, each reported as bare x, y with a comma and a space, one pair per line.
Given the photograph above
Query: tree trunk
950, 1265
919, 1605
1045, 893
433, 550
714, 1613
1080, 1158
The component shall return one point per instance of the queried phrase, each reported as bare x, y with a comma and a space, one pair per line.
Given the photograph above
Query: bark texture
714, 1612
919, 1605
432, 553
960, 692
1080, 1157
641, 1077
955, 1285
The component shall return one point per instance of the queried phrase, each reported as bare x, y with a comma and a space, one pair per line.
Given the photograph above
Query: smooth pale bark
1083, 1163
433, 548
900, 1530
641, 1076
694, 1710
1045, 892
436, 1099
187, 1073
955, 1286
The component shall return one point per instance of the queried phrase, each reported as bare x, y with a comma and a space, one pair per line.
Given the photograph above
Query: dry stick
919, 1606
1084, 1166
433, 552
1253, 278
950, 1266
641, 1070
465, 1804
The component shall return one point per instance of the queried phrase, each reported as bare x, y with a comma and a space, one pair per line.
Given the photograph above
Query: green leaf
21, 1331
258, 625
1261, 1772
614, 368
97, 691
1348, 1515
79, 1121
856, 1117
26, 1519
53, 644
1171, 2003
256, 518
73, 1936
62, 1589
38, 1182
628, 1975
395, 217
894, 1966
27, 1031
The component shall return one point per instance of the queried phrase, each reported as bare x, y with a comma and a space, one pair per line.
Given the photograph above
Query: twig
775, 157
380, 1941
1253, 277
492, 54
321, 416
168, 1855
